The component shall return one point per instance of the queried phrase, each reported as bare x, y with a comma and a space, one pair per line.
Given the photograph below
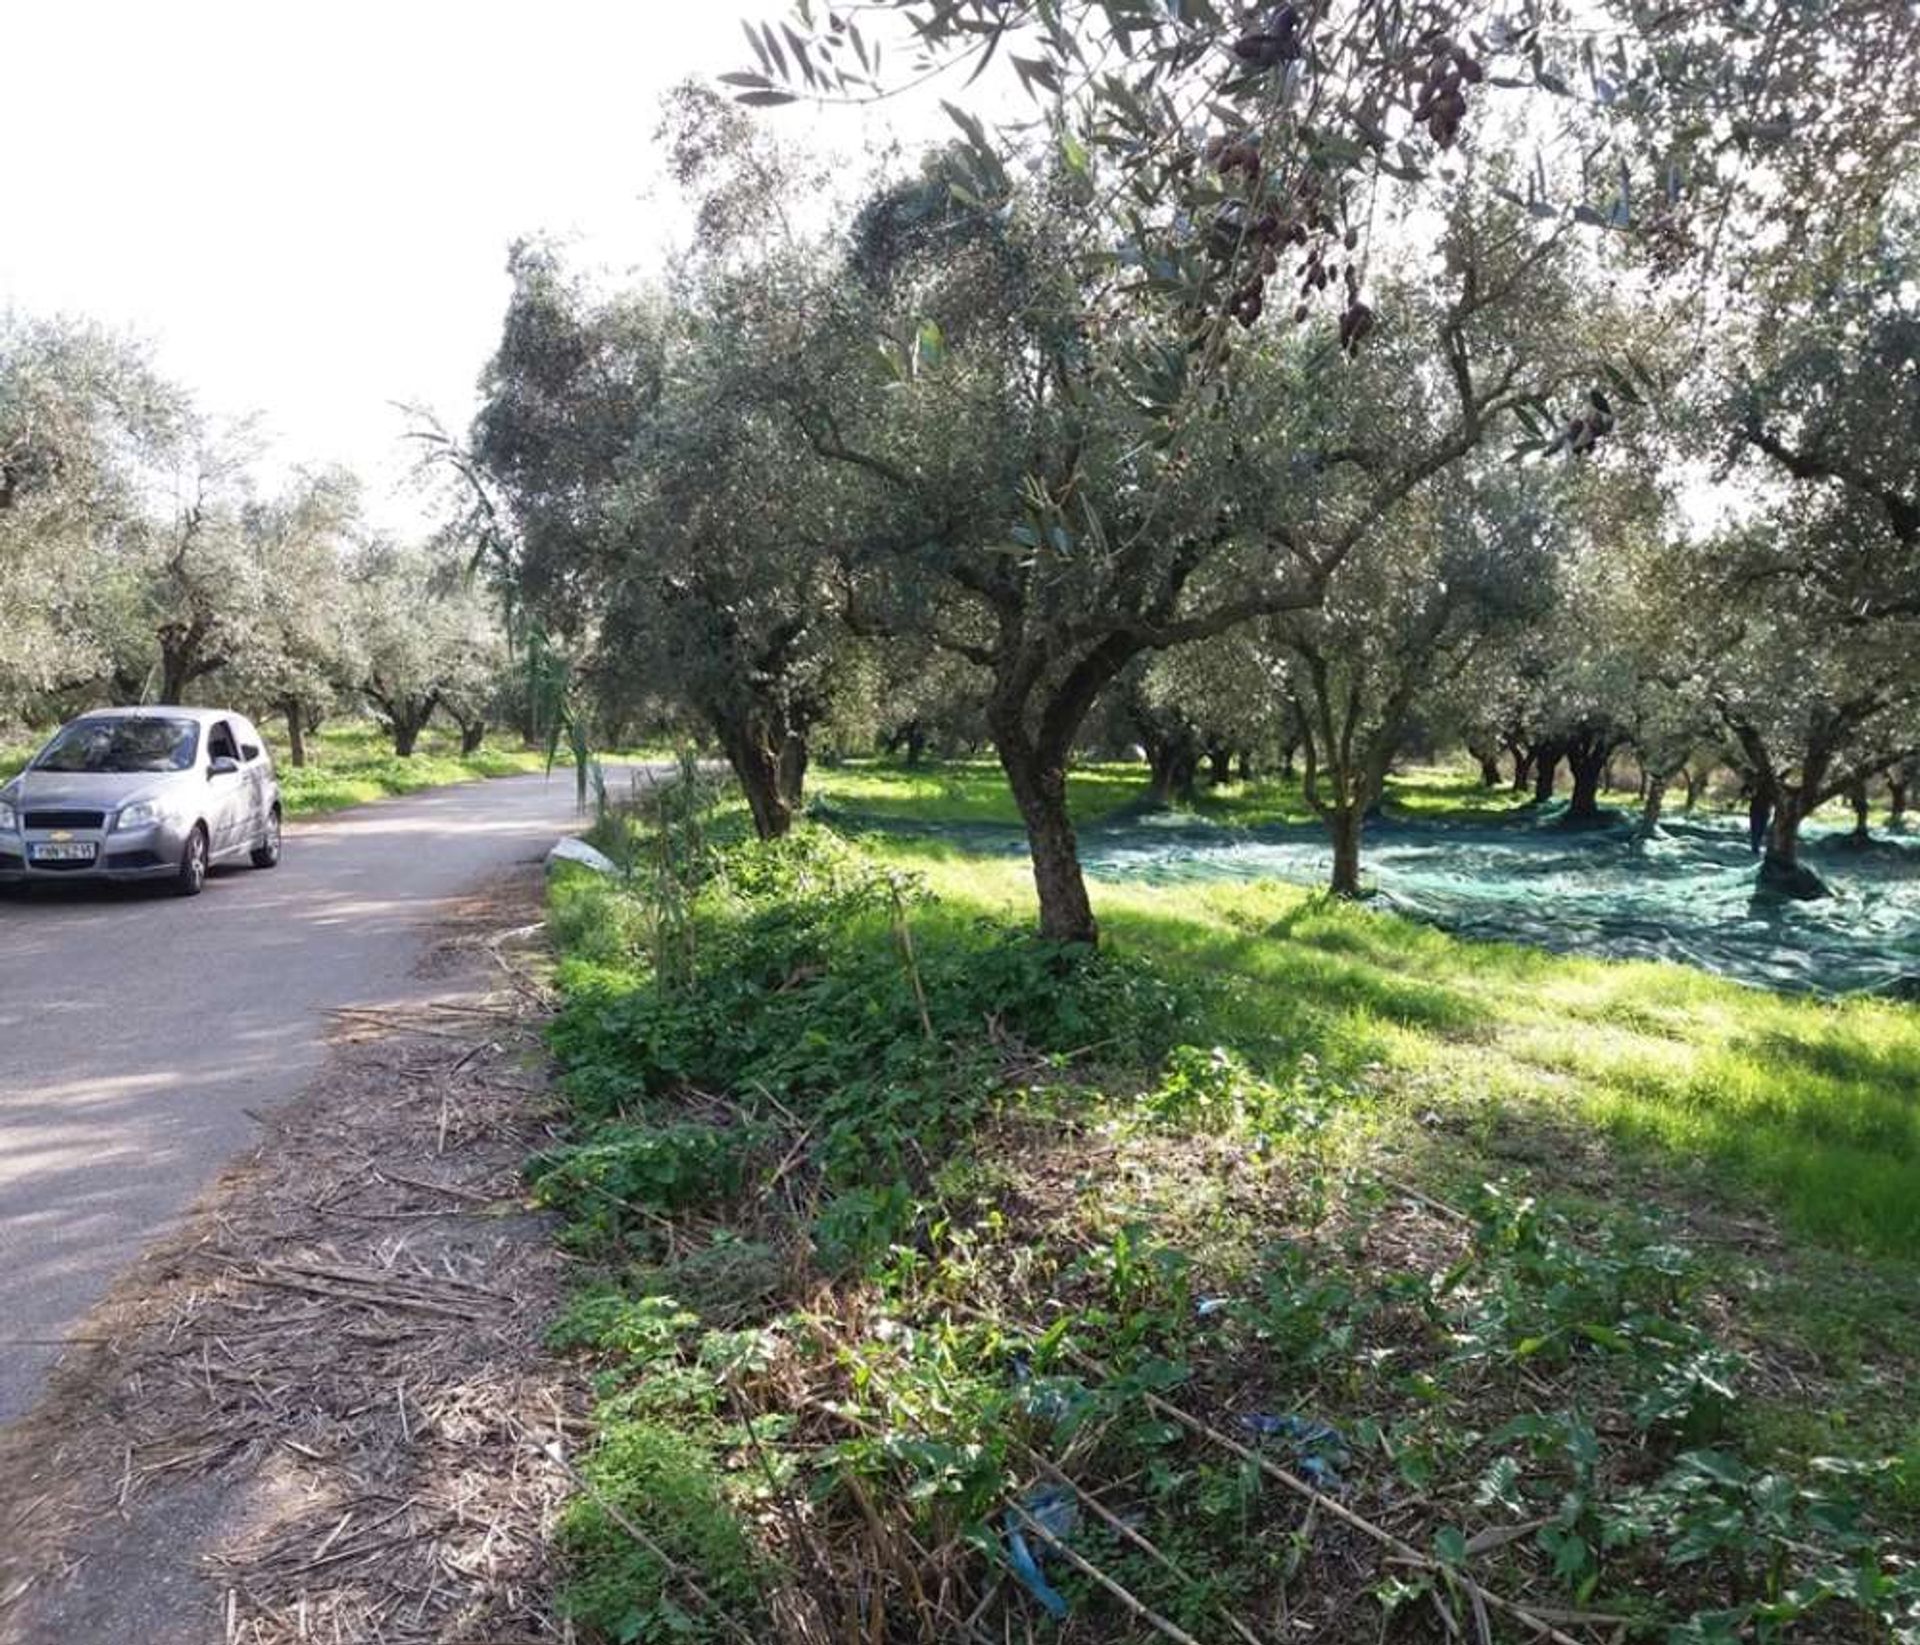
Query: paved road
136, 1030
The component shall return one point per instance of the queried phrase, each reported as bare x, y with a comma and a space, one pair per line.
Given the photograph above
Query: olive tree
1819, 677
655, 502
664, 506
300, 648
1403, 615
422, 626
1210, 701
1058, 510
84, 425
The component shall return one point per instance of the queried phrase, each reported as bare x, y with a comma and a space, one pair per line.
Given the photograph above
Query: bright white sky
306, 209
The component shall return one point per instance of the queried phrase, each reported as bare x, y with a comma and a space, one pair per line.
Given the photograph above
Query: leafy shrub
1534, 1291
859, 1223
658, 1169
809, 993
1214, 1090
592, 920
607, 1320
669, 1487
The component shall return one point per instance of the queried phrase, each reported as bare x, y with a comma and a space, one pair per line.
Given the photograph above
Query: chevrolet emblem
62, 834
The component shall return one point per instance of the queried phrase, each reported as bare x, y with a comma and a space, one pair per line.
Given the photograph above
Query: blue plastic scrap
1054, 1511
1320, 1449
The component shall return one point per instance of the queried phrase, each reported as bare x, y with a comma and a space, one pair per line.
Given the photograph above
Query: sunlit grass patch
962, 791
975, 791
1811, 1106
355, 763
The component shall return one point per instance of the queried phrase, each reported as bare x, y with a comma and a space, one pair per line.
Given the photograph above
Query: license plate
64, 853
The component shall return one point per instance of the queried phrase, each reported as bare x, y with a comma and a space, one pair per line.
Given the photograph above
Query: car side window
220, 743
250, 752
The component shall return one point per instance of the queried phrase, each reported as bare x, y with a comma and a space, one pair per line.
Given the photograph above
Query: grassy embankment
351, 764
1593, 1286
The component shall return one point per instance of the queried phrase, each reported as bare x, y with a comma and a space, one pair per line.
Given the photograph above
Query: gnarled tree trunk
1546, 771
1038, 778
756, 765
913, 738
1857, 798
406, 714
1588, 751
1781, 871
794, 759
1346, 824
406, 734
1173, 752
1650, 804
296, 731
1173, 765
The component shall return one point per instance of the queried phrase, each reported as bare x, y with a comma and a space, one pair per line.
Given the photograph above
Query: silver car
142, 794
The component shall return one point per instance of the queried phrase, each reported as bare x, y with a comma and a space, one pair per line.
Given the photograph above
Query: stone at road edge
579, 851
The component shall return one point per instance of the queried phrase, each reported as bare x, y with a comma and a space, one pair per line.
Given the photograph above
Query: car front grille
64, 819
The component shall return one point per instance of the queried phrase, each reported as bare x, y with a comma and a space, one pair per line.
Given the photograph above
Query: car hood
90, 790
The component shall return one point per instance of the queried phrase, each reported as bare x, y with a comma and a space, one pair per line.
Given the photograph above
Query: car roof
158, 711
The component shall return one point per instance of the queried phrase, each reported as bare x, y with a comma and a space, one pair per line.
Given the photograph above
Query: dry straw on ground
323, 1411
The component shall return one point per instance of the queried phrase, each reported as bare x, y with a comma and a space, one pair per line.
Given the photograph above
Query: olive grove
142, 560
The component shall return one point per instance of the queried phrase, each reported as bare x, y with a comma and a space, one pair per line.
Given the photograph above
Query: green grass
975, 791
1809, 1107
964, 791
354, 763
877, 1197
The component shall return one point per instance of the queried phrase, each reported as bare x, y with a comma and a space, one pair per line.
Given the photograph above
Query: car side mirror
221, 766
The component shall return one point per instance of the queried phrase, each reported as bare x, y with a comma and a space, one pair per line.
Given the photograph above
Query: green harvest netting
1687, 895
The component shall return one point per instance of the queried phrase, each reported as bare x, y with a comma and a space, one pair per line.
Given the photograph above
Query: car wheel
267, 853
193, 865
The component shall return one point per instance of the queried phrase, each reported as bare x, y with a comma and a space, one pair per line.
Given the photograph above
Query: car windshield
143, 744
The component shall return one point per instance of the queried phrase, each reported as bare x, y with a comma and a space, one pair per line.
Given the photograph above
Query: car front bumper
149, 853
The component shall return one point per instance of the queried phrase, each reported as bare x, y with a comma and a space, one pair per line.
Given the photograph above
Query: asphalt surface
137, 1030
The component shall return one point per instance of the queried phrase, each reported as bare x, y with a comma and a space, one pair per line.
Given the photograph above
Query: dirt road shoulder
318, 1411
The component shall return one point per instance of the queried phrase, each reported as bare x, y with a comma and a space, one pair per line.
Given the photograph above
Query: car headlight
139, 815
9, 818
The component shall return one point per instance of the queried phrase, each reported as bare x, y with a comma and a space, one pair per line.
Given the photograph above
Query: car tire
192, 878
267, 853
